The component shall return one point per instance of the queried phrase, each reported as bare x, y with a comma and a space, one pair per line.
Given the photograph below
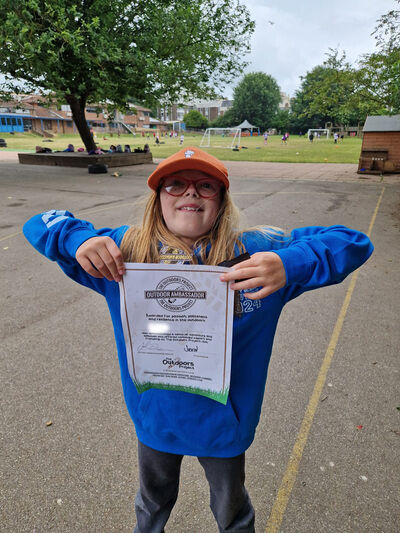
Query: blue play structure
11, 123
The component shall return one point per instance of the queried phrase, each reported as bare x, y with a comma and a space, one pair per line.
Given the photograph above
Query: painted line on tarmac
89, 211
278, 510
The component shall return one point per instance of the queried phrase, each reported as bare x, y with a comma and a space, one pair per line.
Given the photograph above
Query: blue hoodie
189, 424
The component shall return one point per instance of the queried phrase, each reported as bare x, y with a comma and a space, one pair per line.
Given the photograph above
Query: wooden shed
380, 150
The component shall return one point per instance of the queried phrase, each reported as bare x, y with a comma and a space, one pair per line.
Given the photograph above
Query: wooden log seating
81, 159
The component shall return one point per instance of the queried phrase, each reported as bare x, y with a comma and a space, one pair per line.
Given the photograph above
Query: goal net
318, 133
221, 138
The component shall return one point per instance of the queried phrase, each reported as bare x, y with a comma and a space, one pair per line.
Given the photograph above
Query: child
190, 211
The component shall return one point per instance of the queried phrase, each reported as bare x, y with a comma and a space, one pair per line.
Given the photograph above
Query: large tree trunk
77, 106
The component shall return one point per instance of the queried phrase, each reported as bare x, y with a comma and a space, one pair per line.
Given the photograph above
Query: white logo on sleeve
189, 153
53, 217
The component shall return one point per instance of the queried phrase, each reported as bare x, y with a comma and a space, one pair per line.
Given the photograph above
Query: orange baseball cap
190, 158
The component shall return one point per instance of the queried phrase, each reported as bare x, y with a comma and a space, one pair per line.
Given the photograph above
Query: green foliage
379, 73
107, 50
331, 93
256, 99
344, 95
282, 121
194, 119
227, 120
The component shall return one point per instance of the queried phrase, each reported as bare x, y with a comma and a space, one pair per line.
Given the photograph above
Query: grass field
297, 149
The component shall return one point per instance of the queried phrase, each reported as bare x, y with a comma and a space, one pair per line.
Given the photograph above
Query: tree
282, 121
105, 51
194, 119
227, 120
330, 93
256, 99
379, 73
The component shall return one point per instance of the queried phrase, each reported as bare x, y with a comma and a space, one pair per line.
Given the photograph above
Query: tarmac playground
327, 450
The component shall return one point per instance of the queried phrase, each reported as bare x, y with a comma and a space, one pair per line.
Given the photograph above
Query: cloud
303, 32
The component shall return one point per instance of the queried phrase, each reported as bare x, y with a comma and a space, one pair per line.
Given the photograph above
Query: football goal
221, 138
318, 133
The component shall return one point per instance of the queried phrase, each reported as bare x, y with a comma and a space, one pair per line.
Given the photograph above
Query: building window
27, 124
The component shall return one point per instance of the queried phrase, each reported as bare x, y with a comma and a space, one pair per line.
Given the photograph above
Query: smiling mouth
193, 209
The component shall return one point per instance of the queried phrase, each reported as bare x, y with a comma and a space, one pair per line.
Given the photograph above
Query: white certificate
177, 322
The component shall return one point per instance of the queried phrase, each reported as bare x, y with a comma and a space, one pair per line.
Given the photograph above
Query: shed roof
382, 123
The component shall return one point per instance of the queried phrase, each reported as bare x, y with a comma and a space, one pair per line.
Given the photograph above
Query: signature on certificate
152, 347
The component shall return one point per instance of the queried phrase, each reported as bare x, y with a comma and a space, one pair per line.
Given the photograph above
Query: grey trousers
159, 485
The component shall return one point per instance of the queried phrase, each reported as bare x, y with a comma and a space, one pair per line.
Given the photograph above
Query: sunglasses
205, 188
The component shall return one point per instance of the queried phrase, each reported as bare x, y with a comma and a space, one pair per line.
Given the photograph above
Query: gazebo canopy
245, 125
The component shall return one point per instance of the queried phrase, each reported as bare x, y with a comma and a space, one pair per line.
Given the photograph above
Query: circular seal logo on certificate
179, 293
175, 293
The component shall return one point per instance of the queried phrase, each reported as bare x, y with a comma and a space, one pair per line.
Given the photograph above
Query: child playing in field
190, 211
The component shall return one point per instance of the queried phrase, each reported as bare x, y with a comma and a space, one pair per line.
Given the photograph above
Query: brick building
31, 113
380, 150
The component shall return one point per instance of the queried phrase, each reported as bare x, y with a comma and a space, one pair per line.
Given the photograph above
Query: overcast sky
304, 30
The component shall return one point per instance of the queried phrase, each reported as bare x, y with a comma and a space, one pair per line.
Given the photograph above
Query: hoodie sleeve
321, 256
58, 234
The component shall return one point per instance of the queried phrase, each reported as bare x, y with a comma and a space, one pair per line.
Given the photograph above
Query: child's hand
263, 269
101, 257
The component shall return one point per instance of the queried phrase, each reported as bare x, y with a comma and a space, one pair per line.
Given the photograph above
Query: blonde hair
140, 244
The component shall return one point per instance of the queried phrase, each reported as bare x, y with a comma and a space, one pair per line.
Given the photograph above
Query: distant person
265, 137
182, 139
127, 149
146, 148
157, 139
284, 138
70, 148
335, 137
311, 137
112, 148
43, 150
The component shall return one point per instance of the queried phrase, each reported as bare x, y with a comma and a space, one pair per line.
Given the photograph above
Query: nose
191, 190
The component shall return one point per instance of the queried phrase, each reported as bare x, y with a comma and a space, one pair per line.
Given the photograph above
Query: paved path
319, 464
293, 171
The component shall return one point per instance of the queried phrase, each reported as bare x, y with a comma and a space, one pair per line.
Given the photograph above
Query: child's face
189, 216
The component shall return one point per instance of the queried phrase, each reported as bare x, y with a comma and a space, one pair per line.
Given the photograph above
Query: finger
117, 255
247, 284
89, 268
243, 273
101, 266
110, 263
262, 293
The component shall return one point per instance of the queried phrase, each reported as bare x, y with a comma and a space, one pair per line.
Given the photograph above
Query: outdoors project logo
175, 293
189, 153
188, 365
